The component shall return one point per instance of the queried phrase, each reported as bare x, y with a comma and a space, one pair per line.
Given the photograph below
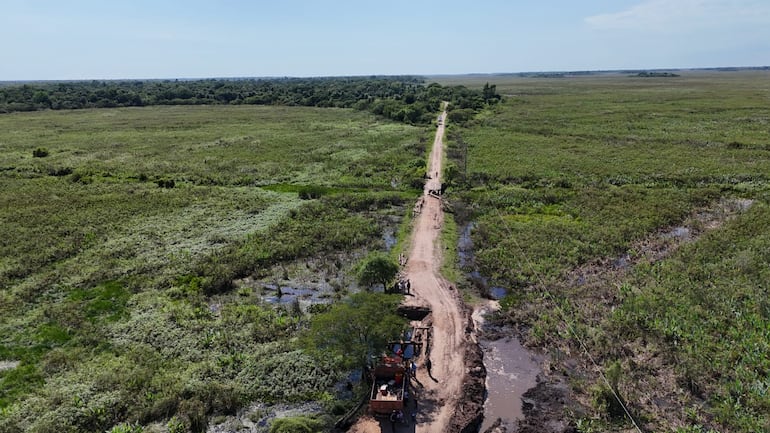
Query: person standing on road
428, 366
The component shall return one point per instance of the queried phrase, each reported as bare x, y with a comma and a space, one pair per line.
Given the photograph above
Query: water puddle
286, 295
466, 260
511, 371
465, 246
497, 293
678, 232
8, 365
389, 238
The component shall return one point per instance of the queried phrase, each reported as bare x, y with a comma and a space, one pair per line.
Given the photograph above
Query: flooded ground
307, 282
389, 239
465, 246
466, 262
511, 371
286, 295
258, 417
511, 368
8, 365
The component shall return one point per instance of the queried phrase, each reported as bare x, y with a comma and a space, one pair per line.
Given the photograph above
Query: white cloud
685, 15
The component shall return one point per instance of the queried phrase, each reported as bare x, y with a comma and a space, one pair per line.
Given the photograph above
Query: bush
59, 171
461, 116
297, 424
607, 402
175, 425
166, 183
193, 412
311, 192
126, 428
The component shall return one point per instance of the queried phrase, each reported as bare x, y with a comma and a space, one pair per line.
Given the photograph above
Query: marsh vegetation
627, 215
573, 182
123, 247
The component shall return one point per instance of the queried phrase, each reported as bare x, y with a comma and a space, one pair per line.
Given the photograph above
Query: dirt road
451, 344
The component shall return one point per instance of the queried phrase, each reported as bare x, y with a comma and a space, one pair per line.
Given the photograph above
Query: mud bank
469, 413
512, 371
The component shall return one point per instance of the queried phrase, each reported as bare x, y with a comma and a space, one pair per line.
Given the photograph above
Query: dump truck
389, 385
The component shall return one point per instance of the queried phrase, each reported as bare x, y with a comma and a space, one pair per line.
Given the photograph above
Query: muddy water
511, 368
511, 371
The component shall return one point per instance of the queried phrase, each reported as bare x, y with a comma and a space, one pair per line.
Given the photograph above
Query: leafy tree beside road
377, 268
355, 329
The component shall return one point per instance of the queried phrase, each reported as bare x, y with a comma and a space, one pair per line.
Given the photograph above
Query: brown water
511, 371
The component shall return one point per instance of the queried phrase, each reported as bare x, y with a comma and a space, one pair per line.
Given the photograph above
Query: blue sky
111, 39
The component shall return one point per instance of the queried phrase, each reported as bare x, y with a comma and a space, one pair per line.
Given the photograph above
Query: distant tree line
656, 74
401, 98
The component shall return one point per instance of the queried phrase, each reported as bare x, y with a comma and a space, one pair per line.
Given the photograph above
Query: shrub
297, 424
606, 401
193, 412
40, 152
175, 425
126, 428
59, 171
166, 183
311, 192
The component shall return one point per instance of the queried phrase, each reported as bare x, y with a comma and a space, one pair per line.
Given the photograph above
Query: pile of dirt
469, 413
547, 407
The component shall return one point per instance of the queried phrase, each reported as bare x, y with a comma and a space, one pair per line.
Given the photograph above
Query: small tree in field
377, 268
356, 328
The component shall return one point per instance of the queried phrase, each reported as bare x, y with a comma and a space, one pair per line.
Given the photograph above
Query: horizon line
463, 74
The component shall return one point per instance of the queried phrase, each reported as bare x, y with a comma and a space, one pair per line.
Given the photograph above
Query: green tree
41, 98
377, 268
490, 93
355, 329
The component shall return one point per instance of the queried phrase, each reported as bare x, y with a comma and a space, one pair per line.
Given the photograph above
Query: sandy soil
451, 397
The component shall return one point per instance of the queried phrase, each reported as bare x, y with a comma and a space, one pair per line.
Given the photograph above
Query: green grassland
571, 174
209, 145
123, 236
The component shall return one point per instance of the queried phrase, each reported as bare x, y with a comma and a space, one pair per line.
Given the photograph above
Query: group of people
404, 286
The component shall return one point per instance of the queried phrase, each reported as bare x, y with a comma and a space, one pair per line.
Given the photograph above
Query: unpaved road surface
438, 399
440, 395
